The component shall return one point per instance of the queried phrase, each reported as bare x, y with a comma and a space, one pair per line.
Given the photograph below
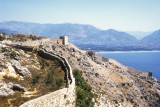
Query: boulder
5, 89
21, 70
10, 71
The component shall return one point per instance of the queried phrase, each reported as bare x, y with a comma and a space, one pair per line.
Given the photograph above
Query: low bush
55, 82
83, 91
4, 49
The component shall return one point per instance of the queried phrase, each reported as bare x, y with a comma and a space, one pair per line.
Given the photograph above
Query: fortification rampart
61, 98
65, 97
65, 65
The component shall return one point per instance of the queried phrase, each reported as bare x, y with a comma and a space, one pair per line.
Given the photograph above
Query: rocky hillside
112, 83
26, 75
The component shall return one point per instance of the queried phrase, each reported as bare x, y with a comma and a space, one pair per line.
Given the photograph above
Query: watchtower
64, 40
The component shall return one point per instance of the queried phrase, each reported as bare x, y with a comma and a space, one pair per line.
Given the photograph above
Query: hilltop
111, 83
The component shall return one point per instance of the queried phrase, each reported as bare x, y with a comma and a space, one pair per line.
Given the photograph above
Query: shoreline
138, 68
125, 51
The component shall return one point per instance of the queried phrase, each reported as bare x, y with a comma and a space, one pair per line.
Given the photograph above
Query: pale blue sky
126, 15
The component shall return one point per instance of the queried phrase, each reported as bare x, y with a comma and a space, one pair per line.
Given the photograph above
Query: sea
141, 60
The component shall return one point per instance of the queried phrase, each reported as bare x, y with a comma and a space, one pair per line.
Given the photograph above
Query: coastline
139, 60
125, 51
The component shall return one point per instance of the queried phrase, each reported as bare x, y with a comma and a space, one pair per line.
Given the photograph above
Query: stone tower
64, 40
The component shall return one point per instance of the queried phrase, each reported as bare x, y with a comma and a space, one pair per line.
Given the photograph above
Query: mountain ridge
152, 38
83, 35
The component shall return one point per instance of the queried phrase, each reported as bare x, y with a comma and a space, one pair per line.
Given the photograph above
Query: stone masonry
65, 97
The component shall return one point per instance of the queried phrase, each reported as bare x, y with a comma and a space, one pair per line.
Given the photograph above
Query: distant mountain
74, 31
152, 39
111, 37
85, 36
78, 33
138, 34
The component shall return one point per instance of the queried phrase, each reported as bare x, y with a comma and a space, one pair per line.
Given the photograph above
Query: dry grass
116, 78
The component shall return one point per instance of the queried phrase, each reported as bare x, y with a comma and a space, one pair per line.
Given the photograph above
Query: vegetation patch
83, 91
35, 79
54, 81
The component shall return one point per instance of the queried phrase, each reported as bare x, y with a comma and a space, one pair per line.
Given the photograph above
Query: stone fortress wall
65, 97
61, 98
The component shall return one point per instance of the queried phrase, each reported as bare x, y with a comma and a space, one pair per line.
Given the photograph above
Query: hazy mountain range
138, 34
86, 36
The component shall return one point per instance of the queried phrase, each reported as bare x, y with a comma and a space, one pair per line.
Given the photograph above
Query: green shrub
49, 78
13, 53
55, 82
83, 91
58, 82
5, 49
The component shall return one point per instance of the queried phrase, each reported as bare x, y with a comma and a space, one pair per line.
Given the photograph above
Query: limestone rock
10, 71
5, 89
21, 70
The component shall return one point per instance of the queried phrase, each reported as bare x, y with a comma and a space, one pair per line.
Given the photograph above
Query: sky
125, 15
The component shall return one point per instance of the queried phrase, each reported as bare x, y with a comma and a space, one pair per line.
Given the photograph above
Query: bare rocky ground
114, 84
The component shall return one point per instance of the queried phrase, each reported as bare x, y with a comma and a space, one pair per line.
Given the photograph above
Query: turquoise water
143, 61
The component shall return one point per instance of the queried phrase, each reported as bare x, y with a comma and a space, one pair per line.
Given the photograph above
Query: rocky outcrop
6, 89
8, 70
20, 70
